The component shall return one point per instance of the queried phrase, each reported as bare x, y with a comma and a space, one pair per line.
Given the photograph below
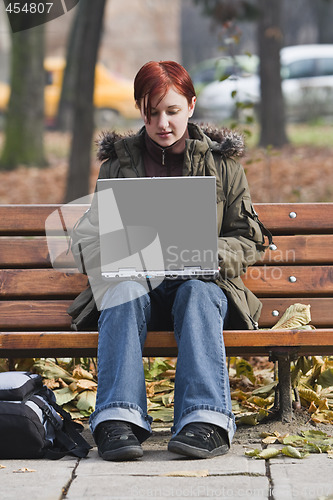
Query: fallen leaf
162, 415
51, 383
24, 469
247, 420
245, 370
168, 399
266, 389
264, 434
325, 379
309, 395
269, 453
253, 453
323, 405
292, 452
239, 395
258, 401
51, 370
270, 440
64, 395
312, 434
294, 440
86, 402
81, 373
296, 316
312, 408
85, 384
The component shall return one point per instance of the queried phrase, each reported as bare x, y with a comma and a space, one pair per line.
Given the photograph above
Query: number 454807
29, 8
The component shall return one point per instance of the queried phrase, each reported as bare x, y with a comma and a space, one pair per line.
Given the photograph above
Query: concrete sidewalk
163, 475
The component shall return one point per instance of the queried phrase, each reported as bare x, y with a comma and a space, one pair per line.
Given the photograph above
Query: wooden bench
34, 296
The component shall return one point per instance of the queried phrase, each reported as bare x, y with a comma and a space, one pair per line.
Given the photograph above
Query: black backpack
32, 425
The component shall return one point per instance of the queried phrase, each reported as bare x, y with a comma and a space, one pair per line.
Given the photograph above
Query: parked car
219, 68
307, 87
113, 95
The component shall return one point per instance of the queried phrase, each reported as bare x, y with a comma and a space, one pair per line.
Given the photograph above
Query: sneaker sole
192, 451
125, 453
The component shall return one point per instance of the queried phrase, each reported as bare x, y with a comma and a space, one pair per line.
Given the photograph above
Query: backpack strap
66, 432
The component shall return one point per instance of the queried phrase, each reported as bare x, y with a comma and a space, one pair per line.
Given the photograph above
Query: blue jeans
196, 311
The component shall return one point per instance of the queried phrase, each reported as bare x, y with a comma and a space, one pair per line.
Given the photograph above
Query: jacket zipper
131, 158
163, 163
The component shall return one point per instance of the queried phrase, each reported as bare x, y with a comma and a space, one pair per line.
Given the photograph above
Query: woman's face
169, 118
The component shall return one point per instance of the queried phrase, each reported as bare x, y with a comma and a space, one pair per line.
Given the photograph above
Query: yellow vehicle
113, 95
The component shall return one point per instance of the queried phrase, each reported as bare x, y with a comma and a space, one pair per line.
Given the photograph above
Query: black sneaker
200, 440
115, 441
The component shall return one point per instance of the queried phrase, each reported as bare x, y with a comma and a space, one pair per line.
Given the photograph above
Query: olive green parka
241, 236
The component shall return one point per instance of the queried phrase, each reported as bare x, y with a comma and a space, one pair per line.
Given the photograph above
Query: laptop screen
160, 226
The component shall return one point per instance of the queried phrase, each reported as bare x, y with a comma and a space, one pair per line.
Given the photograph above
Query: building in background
135, 31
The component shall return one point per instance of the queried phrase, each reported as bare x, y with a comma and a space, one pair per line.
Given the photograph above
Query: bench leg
284, 388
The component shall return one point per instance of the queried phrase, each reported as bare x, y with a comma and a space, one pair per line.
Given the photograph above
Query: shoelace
202, 430
118, 430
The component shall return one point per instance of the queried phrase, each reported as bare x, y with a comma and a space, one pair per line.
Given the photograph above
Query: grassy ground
299, 134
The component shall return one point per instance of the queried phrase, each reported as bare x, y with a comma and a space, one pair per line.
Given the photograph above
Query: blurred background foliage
64, 81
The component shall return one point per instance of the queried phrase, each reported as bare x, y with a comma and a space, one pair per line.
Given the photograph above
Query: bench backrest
34, 296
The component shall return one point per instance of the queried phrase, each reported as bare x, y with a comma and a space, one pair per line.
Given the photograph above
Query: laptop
158, 227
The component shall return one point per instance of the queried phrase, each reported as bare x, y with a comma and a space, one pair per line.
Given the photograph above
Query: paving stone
156, 461
135, 487
310, 478
45, 481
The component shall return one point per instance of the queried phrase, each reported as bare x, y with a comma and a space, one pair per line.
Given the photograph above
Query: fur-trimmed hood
228, 142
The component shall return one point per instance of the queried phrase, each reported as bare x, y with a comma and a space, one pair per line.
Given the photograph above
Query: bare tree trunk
91, 15
24, 126
323, 12
65, 110
272, 117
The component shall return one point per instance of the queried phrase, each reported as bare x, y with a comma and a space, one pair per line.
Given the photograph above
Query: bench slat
30, 219
40, 283
51, 314
275, 281
163, 343
28, 252
34, 252
310, 217
320, 310
301, 249
35, 314
263, 281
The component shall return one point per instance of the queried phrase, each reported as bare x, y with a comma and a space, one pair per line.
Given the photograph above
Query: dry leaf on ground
186, 473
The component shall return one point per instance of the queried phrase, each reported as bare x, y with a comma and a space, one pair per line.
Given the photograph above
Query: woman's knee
123, 292
200, 293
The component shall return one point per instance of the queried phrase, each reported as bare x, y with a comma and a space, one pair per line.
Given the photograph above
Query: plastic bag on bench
32, 425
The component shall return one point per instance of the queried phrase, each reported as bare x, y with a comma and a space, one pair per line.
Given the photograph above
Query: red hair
155, 78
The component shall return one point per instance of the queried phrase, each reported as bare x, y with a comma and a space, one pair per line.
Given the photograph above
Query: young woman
168, 145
